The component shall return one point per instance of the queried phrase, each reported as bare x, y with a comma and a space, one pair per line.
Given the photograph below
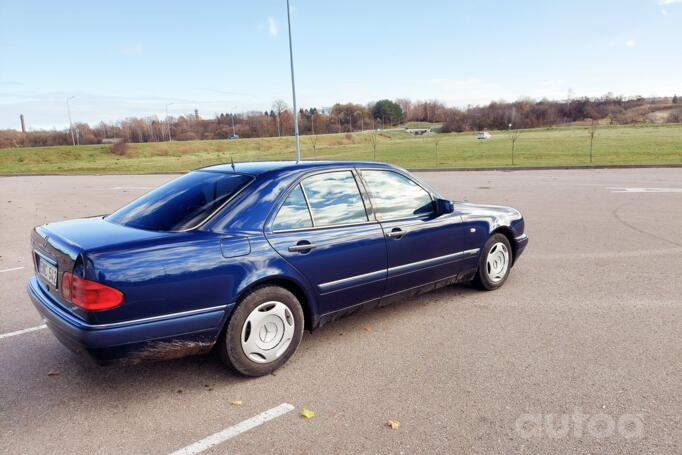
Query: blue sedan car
243, 257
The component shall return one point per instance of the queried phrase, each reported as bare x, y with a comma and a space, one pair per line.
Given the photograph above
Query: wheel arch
507, 232
290, 285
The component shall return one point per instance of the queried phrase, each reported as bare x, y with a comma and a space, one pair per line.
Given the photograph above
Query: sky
148, 58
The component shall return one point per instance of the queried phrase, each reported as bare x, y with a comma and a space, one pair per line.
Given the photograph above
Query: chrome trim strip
387, 296
154, 318
406, 268
48, 259
351, 281
521, 237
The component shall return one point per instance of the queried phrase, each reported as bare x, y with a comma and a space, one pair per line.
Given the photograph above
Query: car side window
334, 198
294, 213
395, 196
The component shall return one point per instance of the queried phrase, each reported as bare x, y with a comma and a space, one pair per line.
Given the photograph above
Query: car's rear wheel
495, 263
264, 331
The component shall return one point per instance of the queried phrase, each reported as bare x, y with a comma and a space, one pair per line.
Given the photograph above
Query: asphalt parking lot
579, 352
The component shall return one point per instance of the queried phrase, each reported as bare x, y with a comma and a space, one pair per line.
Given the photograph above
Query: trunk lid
66, 245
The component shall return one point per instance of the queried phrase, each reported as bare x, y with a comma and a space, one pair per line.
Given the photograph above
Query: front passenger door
422, 246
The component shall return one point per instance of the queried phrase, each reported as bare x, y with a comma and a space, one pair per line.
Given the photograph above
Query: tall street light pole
293, 89
68, 111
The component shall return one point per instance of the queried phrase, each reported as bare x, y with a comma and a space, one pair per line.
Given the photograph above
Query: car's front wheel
264, 331
495, 263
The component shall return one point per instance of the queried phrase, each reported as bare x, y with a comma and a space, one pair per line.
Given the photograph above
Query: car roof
260, 167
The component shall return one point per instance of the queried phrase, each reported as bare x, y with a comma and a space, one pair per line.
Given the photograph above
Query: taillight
89, 295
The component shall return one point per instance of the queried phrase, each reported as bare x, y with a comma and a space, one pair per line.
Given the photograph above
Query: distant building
112, 140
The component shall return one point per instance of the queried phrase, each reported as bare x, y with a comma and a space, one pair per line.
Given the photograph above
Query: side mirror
444, 206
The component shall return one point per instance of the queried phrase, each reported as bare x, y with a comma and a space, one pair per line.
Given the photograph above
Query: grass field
539, 147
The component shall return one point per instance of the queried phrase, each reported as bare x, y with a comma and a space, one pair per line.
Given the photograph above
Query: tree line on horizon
351, 117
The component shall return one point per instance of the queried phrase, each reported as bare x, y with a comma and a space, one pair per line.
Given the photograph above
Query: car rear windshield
182, 203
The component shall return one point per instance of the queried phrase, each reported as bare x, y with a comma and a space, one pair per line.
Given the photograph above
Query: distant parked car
484, 135
244, 256
418, 131
233, 136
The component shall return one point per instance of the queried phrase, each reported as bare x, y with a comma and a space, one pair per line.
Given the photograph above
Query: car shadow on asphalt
60, 367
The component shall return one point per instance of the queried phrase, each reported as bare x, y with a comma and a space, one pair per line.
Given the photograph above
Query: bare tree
594, 126
373, 142
279, 106
514, 136
362, 119
313, 143
436, 142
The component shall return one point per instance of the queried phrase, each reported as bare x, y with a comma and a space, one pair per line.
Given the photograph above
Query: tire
495, 263
263, 332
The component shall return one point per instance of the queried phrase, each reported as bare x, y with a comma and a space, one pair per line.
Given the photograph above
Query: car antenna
231, 161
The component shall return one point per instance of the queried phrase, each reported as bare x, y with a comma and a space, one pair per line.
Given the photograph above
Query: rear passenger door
323, 229
423, 247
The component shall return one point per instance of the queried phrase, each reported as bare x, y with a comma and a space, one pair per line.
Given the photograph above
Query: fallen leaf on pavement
367, 328
53, 373
307, 413
236, 402
393, 424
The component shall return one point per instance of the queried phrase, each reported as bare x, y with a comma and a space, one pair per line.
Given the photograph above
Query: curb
546, 168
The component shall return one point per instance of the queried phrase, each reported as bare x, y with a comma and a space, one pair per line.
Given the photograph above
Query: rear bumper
520, 243
165, 337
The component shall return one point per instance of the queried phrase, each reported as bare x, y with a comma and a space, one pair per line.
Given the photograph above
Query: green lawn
539, 147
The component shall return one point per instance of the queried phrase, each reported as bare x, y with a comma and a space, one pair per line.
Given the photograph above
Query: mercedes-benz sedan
245, 256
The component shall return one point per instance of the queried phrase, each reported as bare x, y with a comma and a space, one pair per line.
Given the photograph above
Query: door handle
395, 233
302, 247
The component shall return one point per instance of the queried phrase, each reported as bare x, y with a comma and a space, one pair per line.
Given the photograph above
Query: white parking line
11, 270
235, 430
22, 331
643, 190
131, 188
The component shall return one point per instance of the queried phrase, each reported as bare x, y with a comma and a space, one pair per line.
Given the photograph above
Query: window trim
407, 218
278, 206
281, 206
307, 203
210, 217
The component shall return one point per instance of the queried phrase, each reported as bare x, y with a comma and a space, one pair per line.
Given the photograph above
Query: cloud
664, 11
131, 50
669, 2
631, 43
273, 28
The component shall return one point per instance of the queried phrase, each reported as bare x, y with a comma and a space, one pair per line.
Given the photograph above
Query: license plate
47, 271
